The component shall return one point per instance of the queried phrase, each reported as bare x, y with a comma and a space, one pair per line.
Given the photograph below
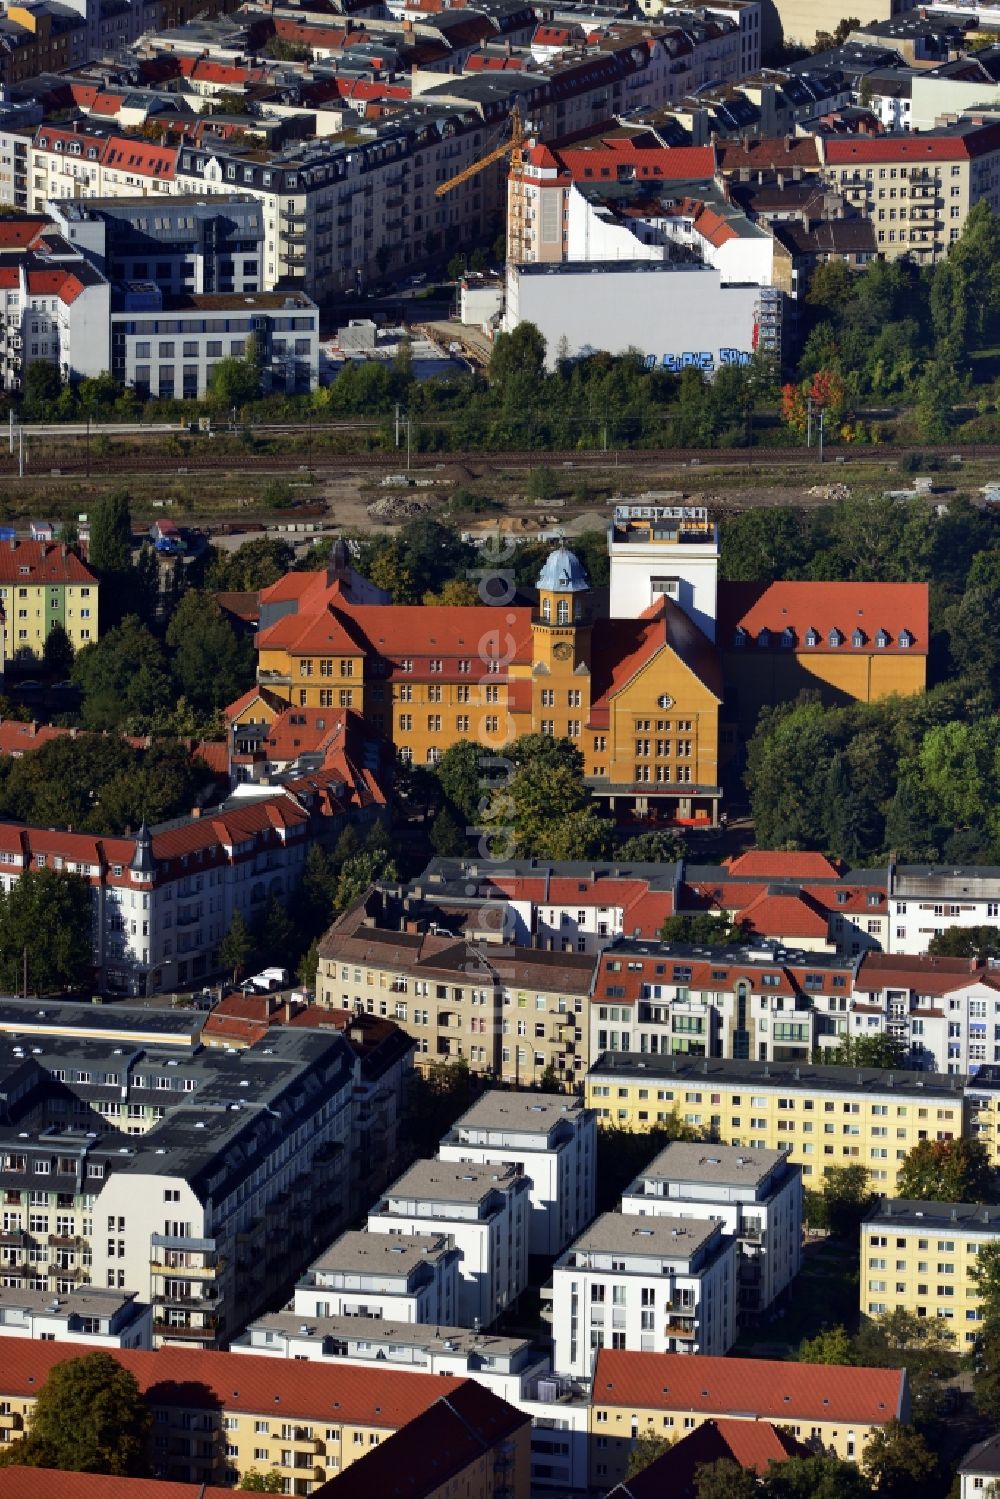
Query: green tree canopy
236, 947
703, 929
832, 1346
646, 1448
89, 1417
45, 926
661, 846
109, 553
947, 1171
210, 664
254, 565
57, 654
125, 680
869, 1051
899, 1464
545, 810
966, 942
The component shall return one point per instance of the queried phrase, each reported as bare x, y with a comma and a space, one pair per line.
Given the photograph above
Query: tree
923, 1345
832, 1346
109, 552
947, 1171
46, 920
58, 652
235, 380
967, 942
211, 665
459, 772
662, 846
254, 565
447, 837
703, 930
869, 1051
124, 679
255, 1482
455, 593
89, 1417
236, 947
843, 1202
724, 1479
899, 1463
517, 361
544, 810
817, 1477
361, 871
646, 1448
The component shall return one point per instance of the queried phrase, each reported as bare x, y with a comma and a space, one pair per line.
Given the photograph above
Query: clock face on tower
562, 650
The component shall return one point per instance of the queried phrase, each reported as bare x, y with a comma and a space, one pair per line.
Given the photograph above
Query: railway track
321, 463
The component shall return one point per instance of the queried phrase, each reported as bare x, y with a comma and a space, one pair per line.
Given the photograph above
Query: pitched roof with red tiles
923, 974
747, 1387
621, 648
752, 1444
55, 1483
772, 153
63, 284
825, 608
618, 157
17, 739
788, 914
287, 1388
919, 147
719, 973
771, 864
436, 1448
148, 158
18, 234
42, 561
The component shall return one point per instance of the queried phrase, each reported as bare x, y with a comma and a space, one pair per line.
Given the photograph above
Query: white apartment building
87, 1315
381, 1275
945, 1012
657, 1285
925, 900
659, 548
201, 1183
552, 1139
755, 1194
54, 309
485, 1210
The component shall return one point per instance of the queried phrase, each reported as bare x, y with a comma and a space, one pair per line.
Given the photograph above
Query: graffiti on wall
698, 361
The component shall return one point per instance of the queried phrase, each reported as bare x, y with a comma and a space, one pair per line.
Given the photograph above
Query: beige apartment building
918, 1257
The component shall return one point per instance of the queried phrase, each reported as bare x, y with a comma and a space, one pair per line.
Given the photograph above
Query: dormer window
881, 640
740, 638
905, 640
764, 639
858, 639
787, 638
812, 638
835, 638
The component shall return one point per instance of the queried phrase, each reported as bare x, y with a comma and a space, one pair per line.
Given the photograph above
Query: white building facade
381, 1275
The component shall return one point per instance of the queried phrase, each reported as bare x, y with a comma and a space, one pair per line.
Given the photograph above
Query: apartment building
187, 246
485, 1210
761, 1002
165, 897
203, 1183
53, 309
830, 1407
944, 1012
216, 1415
925, 900
552, 1140
755, 1194
168, 346
513, 1013
43, 584
404, 1279
664, 1285
826, 1116
90, 1316
917, 188
509, 1366
918, 1257
470, 1442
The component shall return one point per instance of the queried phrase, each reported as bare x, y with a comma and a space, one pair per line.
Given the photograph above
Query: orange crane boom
514, 148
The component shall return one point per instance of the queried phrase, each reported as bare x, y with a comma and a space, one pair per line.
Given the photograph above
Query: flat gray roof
394, 1254
377, 1330
451, 1181
522, 1110
669, 1237
729, 1165
82, 1301
660, 1070
939, 1217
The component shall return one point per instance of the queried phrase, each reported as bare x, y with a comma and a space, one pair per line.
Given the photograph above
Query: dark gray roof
805, 1075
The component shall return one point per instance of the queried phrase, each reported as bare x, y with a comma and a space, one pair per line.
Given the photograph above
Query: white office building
755, 1194
552, 1138
412, 1279
657, 1285
485, 1210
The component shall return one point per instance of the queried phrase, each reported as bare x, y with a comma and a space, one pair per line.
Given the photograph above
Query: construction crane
514, 148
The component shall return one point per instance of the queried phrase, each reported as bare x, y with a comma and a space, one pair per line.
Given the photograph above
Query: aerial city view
500, 749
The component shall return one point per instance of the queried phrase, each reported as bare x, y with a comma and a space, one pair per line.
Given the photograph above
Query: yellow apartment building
216, 1415
829, 1407
918, 1257
43, 583
825, 1116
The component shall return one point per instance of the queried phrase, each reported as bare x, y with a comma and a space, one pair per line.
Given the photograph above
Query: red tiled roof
923, 973
19, 738
752, 1444
792, 915
17, 234
622, 647
54, 1483
713, 227
620, 155
214, 753
770, 864
289, 1388
721, 971
46, 561
746, 1387
919, 147
770, 153
825, 607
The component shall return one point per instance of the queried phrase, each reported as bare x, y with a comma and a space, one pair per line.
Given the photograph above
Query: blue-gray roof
563, 573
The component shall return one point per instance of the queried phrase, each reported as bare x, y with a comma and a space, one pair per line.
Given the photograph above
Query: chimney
288, 1012
195, 811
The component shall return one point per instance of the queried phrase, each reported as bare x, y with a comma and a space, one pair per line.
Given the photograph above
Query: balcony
683, 1330
203, 1334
